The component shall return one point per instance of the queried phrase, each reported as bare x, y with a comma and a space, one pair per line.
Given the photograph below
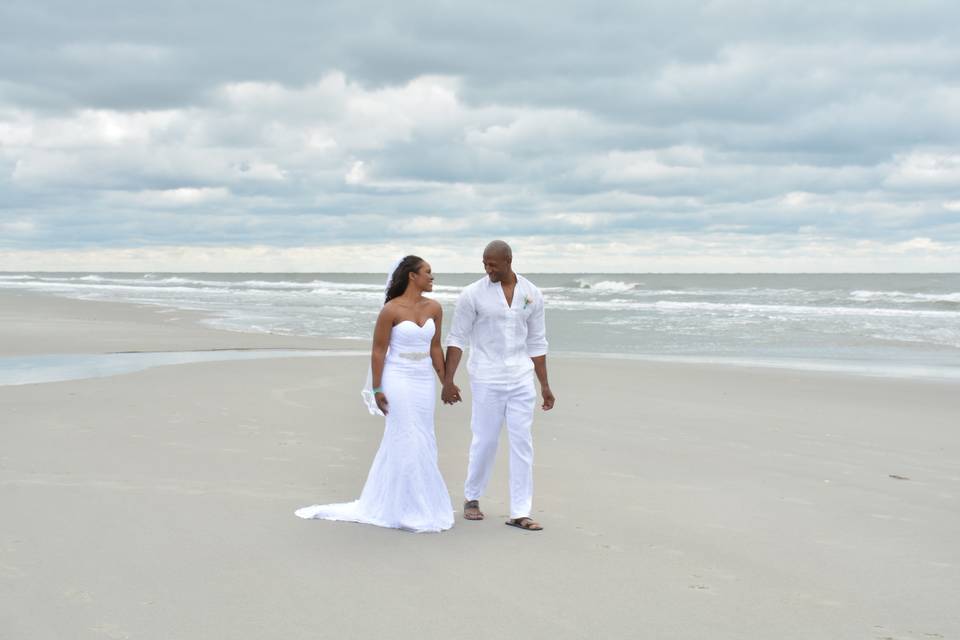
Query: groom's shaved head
498, 249
497, 258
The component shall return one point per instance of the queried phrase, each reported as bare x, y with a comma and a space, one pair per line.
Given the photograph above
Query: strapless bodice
410, 340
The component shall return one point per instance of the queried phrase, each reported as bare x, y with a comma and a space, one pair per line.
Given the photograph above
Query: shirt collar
491, 283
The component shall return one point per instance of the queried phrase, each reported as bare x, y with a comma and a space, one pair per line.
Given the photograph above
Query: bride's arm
381, 340
436, 351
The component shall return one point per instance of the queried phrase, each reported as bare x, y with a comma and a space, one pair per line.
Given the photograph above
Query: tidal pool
16, 370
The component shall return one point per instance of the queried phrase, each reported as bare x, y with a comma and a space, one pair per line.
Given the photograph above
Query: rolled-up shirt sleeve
464, 315
537, 329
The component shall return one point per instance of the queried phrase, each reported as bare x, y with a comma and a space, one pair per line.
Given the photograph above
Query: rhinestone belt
414, 355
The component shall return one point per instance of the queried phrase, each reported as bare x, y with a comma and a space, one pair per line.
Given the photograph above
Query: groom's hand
450, 394
548, 399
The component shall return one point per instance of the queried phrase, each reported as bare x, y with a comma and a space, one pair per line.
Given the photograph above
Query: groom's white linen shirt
502, 339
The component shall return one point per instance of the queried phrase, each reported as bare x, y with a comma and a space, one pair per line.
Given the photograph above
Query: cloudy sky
637, 136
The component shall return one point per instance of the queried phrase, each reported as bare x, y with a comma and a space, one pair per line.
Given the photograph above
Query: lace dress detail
404, 489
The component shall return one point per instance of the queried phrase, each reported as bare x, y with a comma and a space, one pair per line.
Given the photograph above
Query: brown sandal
471, 510
524, 523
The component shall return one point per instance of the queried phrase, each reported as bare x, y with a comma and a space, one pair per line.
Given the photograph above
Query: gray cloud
226, 124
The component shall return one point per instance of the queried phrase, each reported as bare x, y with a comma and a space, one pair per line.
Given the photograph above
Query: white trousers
494, 405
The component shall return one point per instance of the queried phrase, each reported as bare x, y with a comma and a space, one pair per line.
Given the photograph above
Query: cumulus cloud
699, 136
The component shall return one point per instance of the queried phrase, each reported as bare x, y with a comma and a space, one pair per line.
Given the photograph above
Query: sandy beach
679, 501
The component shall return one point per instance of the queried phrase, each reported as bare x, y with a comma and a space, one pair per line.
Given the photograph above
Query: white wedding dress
404, 489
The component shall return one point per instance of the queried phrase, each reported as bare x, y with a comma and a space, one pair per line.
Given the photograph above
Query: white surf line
879, 369
37, 369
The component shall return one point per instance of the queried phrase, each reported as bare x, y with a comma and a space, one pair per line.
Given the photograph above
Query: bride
404, 489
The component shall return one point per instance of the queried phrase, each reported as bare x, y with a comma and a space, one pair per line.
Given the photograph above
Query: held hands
548, 398
382, 403
450, 394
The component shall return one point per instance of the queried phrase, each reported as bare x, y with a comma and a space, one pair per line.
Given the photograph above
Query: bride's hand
450, 394
381, 402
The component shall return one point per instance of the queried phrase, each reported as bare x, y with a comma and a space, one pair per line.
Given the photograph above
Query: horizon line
560, 273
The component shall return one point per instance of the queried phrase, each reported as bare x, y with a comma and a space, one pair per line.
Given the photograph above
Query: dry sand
679, 501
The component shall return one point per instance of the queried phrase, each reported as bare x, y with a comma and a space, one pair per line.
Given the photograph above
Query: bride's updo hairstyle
401, 276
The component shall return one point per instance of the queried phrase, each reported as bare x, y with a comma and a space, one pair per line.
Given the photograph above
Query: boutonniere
526, 301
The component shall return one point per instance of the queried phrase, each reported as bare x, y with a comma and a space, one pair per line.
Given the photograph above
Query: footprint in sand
10, 571
280, 395
111, 631
886, 636
78, 595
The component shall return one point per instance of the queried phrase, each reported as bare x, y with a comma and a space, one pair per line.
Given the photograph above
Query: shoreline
181, 330
101, 326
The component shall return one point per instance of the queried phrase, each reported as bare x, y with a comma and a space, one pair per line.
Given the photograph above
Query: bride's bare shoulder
389, 310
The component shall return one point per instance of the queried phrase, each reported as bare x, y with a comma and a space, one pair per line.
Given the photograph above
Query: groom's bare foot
471, 510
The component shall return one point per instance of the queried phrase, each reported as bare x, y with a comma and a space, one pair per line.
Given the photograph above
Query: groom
501, 318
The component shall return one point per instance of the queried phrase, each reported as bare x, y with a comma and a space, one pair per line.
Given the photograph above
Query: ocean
879, 324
